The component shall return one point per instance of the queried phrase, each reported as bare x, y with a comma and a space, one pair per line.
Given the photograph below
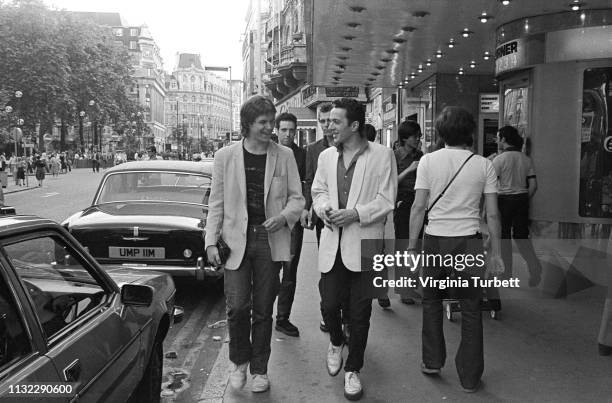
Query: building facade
198, 104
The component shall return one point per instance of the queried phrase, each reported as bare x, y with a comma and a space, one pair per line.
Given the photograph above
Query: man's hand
275, 223
496, 265
305, 219
212, 254
343, 217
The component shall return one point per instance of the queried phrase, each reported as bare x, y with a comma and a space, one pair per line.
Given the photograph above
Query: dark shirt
300, 158
312, 158
405, 188
255, 172
345, 175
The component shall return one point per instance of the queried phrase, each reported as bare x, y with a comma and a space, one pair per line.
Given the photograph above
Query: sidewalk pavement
540, 349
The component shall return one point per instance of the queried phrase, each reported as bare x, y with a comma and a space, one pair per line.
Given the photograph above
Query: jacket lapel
358, 177
272, 154
239, 170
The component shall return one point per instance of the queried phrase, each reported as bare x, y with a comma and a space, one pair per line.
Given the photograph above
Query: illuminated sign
509, 56
489, 103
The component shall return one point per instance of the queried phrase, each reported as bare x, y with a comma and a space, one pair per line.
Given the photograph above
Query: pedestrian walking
40, 167
21, 169
256, 199
353, 191
450, 183
286, 126
55, 165
309, 219
407, 157
517, 185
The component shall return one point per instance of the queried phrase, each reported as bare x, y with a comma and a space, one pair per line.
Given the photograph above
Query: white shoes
334, 359
261, 383
352, 386
237, 377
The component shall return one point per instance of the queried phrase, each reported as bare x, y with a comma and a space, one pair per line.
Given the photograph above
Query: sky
212, 28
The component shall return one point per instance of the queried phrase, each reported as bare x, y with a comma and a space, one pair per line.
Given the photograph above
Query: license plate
136, 253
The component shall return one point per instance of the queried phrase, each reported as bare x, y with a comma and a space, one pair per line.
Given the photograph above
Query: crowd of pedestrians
344, 186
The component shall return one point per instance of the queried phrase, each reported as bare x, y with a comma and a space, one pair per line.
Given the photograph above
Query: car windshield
155, 186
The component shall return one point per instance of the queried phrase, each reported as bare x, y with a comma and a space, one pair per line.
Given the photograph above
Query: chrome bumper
177, 313
200, 272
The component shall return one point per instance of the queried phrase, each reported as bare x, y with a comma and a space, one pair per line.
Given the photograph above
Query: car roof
202, 167
10, 225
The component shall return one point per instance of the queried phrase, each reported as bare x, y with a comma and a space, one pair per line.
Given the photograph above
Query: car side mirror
137, 295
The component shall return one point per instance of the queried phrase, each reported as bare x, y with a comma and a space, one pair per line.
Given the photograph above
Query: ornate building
198, 103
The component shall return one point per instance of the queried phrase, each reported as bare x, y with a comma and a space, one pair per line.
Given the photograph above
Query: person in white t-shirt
454, 229
517, 184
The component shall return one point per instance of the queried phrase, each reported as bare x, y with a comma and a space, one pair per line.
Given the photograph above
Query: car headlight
187, 253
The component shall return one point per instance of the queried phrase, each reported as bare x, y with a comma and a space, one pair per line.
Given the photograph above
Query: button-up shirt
345, 175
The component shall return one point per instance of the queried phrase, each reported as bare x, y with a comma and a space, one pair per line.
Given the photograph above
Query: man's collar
361, 150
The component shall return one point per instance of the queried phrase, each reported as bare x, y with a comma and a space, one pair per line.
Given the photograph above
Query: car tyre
149, 387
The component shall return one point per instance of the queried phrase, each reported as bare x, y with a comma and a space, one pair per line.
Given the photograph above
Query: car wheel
149, 387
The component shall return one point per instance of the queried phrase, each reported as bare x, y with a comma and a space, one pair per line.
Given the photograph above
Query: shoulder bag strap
449, 183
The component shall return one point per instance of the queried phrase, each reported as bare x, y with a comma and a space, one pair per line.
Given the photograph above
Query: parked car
64, 321
150, 213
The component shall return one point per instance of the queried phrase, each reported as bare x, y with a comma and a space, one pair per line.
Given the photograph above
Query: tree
60, 64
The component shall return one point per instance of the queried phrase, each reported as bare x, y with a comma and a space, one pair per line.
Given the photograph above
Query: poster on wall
516, 108
595, 197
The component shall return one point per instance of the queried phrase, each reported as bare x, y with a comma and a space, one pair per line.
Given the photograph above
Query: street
192, 339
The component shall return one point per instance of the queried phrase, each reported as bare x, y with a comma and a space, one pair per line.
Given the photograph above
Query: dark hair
325, 107
455, 125
511, 136
355, 112
253, 108
290, 117
152, 149
370, 132
408, 128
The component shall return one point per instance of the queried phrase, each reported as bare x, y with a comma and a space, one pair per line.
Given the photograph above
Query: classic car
71, 330
151, 214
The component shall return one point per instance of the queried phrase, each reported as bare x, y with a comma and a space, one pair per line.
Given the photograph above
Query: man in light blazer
353, 191
256, 199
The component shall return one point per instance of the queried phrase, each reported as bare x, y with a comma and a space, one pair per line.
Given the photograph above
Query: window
118, 31
133, 45
61, 288
134, 32
14, 342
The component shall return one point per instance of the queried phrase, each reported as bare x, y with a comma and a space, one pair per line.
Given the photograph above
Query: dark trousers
401, 224
286, 293
338, 285
469, 360
514, 210
250, 292
95, 166
345, 311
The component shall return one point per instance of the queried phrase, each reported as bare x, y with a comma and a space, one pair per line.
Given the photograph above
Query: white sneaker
352, 386
261, 383
334, 359
237, 376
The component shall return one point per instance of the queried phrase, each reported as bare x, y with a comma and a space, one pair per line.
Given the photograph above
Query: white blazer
372, 194
227, 204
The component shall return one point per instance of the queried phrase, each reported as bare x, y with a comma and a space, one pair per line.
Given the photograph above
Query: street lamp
231, 108
81, 116
18, 95
92, 103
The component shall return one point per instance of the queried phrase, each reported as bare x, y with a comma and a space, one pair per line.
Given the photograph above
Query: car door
80, 315
22, 355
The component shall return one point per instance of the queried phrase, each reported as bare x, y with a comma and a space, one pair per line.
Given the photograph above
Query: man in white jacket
353, 191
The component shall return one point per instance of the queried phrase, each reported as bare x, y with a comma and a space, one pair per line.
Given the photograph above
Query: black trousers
514, 210
401, 224
469, 359
286, 293
338, 285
